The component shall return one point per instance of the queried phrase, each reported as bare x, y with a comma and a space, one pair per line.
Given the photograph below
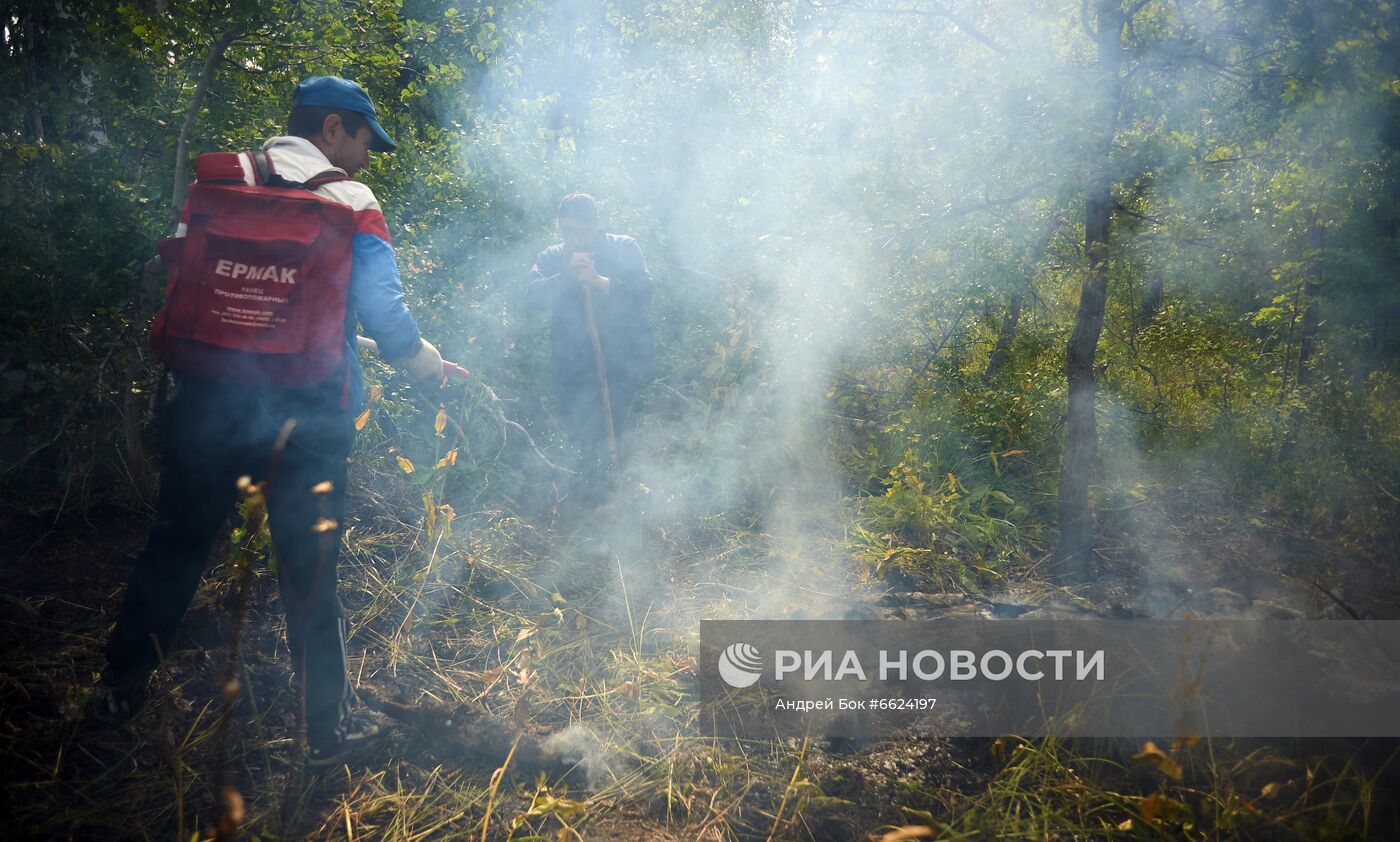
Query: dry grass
541, 687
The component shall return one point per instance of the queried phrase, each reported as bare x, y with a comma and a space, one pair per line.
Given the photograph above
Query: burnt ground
1184, 547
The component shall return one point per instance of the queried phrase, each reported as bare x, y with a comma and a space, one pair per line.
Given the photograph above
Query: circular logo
740, 665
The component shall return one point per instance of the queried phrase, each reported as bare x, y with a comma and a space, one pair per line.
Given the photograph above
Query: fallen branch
501, 419
458, 729
456, 372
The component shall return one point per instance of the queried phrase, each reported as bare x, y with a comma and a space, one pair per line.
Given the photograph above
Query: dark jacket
620, 315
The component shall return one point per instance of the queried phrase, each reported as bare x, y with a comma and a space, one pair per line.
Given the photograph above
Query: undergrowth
539, 673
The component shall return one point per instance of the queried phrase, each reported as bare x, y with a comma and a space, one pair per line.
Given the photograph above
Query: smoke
579, 747
825, 191
760, 155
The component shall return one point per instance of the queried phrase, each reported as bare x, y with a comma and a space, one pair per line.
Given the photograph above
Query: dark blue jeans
585, 422
216, 433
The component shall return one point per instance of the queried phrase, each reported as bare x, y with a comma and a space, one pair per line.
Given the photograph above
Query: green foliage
833, 204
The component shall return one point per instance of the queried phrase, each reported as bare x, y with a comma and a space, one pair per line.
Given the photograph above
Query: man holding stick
597, 289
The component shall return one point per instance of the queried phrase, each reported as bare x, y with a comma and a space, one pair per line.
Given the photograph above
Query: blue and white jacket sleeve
376, 296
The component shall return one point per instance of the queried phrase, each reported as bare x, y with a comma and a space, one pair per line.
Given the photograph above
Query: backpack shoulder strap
327, 177
262, 167
268, 176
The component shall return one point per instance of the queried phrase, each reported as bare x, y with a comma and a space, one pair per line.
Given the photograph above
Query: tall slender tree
1073, 552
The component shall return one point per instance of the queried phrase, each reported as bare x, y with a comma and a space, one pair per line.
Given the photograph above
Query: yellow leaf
448, 459
912, 831
445, 516
362, 420
1270, 790
1152, 754
323, 487
406, 465
440, 422
524, 633
1157, 806
1189, 740
1126, 824
233, 806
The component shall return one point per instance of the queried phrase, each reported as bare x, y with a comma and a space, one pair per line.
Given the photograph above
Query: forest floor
566, 657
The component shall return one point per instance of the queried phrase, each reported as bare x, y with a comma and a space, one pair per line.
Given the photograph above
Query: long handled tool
602, 376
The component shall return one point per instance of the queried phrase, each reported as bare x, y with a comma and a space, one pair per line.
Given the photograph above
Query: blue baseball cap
335, 92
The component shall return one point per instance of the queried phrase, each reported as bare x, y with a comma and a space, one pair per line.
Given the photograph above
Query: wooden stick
602, 376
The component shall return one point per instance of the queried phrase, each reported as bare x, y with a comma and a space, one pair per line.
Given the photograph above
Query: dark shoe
115, 702
359, 735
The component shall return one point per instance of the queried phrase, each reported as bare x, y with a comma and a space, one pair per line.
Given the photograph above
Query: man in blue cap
295, 440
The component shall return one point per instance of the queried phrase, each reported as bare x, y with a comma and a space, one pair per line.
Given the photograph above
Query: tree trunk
181, 188
1385, 316
136, 404
1073, 553
1150, 304
1307, 339
1002, 350
1317, 241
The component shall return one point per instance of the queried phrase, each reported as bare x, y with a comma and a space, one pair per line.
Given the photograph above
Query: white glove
426, 365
